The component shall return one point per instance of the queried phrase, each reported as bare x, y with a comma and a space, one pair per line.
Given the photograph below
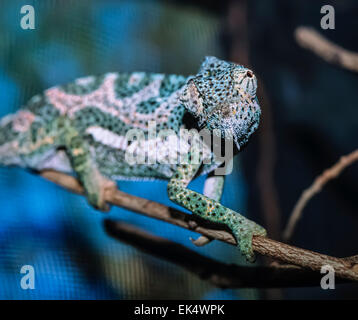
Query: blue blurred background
312, 118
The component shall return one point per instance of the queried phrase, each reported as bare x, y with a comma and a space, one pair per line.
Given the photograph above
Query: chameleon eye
226, 111
249, 74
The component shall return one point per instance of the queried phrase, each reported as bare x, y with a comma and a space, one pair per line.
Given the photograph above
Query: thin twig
219, 274
315, 188
310, 39
332, 53
262, 245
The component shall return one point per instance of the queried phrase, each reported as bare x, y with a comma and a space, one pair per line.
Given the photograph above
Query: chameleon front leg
243, 229
94, 183
213, 188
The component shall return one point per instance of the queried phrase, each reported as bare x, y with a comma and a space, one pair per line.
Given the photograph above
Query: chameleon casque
80, 128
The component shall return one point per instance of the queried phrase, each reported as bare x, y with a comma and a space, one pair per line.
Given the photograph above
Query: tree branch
310, 39
315, 188
219, 274
265, 246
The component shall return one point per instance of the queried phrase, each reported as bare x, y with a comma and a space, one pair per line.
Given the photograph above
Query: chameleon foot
97, 198
243, 230
201, 241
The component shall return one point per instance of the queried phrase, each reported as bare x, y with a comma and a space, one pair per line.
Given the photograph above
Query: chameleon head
222, 96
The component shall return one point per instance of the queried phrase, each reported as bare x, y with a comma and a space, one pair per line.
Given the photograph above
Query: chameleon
80, 128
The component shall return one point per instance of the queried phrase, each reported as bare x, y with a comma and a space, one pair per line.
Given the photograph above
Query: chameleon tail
15, 131
9, 154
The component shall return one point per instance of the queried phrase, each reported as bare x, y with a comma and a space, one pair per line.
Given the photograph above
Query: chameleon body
81, 128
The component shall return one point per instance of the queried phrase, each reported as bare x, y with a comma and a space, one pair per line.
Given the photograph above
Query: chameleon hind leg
242, 228
94, 183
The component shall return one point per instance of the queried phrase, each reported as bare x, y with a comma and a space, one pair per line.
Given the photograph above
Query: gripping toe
243, 234
98, 199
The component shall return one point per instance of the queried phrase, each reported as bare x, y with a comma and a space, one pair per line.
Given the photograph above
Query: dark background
309, 120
